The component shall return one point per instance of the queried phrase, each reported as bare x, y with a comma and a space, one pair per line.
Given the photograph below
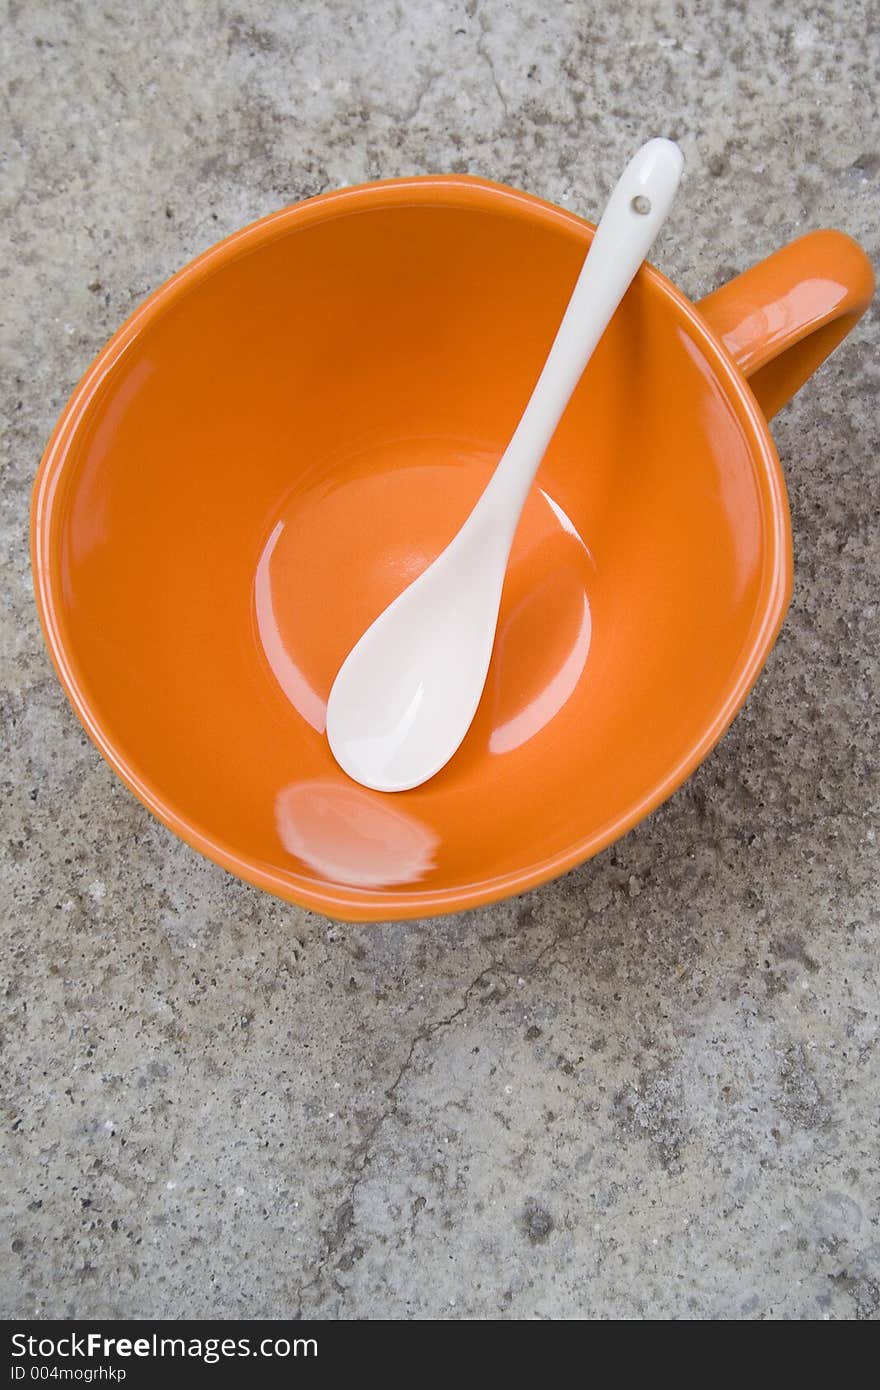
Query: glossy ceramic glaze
287, 432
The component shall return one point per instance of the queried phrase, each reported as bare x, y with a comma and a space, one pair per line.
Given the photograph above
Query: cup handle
783, 317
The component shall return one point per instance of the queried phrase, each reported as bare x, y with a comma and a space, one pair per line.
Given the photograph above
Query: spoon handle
632, 218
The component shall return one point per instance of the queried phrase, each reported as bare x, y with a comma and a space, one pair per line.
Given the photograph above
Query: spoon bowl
438, 634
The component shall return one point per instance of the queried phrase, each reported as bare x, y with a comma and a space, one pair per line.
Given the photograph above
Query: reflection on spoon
351, 835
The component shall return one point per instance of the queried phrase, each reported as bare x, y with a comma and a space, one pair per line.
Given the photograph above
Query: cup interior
290, 431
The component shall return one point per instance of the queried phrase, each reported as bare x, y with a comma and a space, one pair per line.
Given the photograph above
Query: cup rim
340, 900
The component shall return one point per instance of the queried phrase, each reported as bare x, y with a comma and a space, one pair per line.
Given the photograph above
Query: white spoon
407, 692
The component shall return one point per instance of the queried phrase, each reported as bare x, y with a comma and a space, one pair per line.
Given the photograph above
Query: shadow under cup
282, 439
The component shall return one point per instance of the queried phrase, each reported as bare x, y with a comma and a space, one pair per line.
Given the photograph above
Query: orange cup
291, 428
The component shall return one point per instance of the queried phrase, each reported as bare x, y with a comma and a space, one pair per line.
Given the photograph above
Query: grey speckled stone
649, 1089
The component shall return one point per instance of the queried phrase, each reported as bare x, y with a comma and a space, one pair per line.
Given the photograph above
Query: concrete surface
648, 1090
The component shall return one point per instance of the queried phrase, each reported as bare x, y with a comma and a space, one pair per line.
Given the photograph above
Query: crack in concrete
435, 1027
487, 58
343, 1220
